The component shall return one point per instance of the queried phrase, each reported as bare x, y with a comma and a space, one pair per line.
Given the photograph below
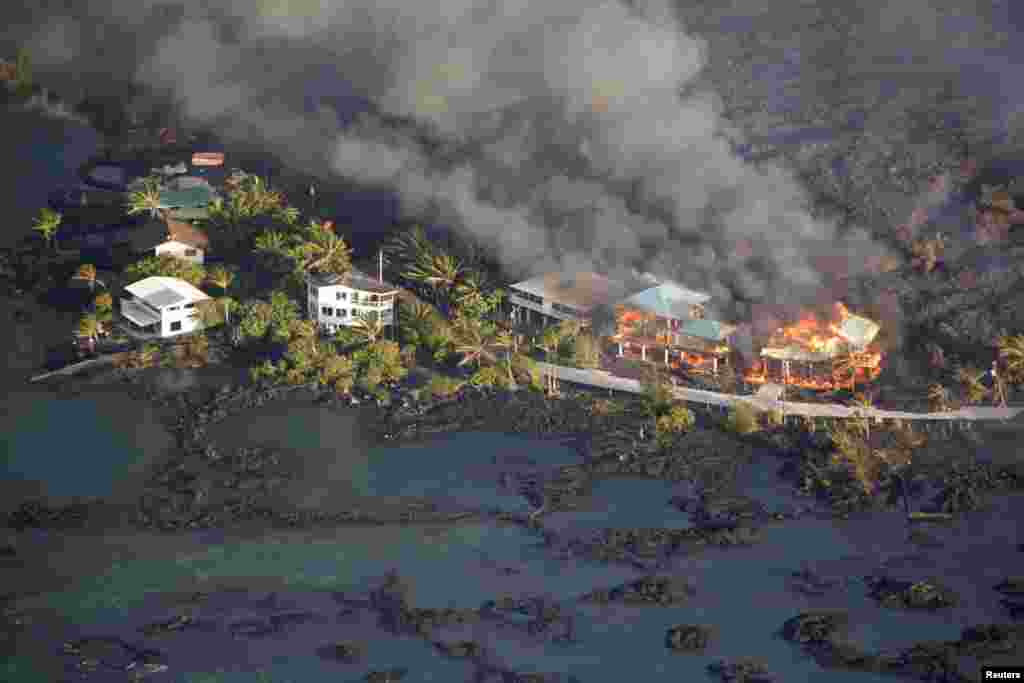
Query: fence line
765, 400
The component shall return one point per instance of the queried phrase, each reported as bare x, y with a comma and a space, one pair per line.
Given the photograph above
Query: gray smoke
563, 134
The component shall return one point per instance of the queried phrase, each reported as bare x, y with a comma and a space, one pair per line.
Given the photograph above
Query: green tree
679, 420
657, 395
585, 351
379, 362
368, 327
475, 341
417, 321
283, 310
323, 251
255, 319
438, 272
166, 266
147, 198
1011, 351
337, 371
741, 419
473, 297
970, 380
46, 224
89, 327
24, 82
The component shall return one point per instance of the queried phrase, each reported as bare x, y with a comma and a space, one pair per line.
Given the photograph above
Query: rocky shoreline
203, 487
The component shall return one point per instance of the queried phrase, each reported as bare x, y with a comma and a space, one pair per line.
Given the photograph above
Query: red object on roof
208, 159
168, 136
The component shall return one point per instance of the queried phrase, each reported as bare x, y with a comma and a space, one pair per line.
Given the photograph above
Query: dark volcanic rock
687, 638
387, 675
650, 590
910, 594
463, 649
1012, 585
815, 627
741, 671
343, 652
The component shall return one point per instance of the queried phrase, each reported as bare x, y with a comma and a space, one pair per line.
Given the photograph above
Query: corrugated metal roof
164, 297
858, 330
137, 314
711, 330
668, 300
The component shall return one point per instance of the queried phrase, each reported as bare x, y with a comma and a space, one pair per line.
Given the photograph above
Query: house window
342, 312
190, 305
327, 310
176, 326
174, 308
190, 252
341, 296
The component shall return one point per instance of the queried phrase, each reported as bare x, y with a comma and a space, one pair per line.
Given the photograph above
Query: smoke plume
564, 134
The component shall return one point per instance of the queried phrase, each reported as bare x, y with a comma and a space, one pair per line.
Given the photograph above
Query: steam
563, 134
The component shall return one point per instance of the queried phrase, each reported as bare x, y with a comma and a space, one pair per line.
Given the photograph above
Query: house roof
187, 192
186, 233
137, 314
159, 291
354, 279
858, 330
710, 330
667, 300
583, 290
795, 353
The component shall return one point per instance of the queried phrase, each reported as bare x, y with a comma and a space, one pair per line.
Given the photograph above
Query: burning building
819, 353
664, 318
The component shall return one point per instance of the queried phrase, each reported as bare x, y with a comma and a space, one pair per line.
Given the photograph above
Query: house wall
325, 305
180, 250
544, 306
185, 314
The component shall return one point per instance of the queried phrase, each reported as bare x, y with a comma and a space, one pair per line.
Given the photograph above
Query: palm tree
971, 380
221, 277
418, 319
147, 198
411, 246
863, 423
87, 272
324, 251
938, 396
46, 224
370, 327
1011, 350
89, 327
438, 271
474, 342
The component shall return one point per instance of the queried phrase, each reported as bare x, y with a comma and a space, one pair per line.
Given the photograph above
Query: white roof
160, 292
668, 299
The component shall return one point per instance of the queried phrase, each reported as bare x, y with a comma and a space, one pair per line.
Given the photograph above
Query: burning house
821, 354
666, 318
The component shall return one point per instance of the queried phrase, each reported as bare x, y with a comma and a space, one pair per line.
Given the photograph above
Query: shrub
774, 418
441, 386
742, 419
678, 421
489, 376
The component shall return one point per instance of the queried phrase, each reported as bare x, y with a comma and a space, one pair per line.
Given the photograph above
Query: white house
162, 306
334, 301
185, 241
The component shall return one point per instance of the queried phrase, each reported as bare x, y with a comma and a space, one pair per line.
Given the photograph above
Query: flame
813, 335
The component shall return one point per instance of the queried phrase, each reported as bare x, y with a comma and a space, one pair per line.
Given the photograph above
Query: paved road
766, 399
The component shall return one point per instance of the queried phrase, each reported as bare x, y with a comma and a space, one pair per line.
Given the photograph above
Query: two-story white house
335, 301
161, 307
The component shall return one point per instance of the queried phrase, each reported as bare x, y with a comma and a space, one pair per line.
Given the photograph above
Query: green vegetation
166, 266
46, 224
1011, 350
657, 394
146, 198
741, 419
679, 420
441, 386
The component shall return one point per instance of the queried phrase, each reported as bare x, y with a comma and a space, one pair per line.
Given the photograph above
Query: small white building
171, 238
162, 306
335, 301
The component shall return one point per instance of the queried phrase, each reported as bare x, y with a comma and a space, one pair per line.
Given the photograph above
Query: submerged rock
649, 590
387, 675
463, 649
815, 627
741, 671
687, 637
910, 594
344, 651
